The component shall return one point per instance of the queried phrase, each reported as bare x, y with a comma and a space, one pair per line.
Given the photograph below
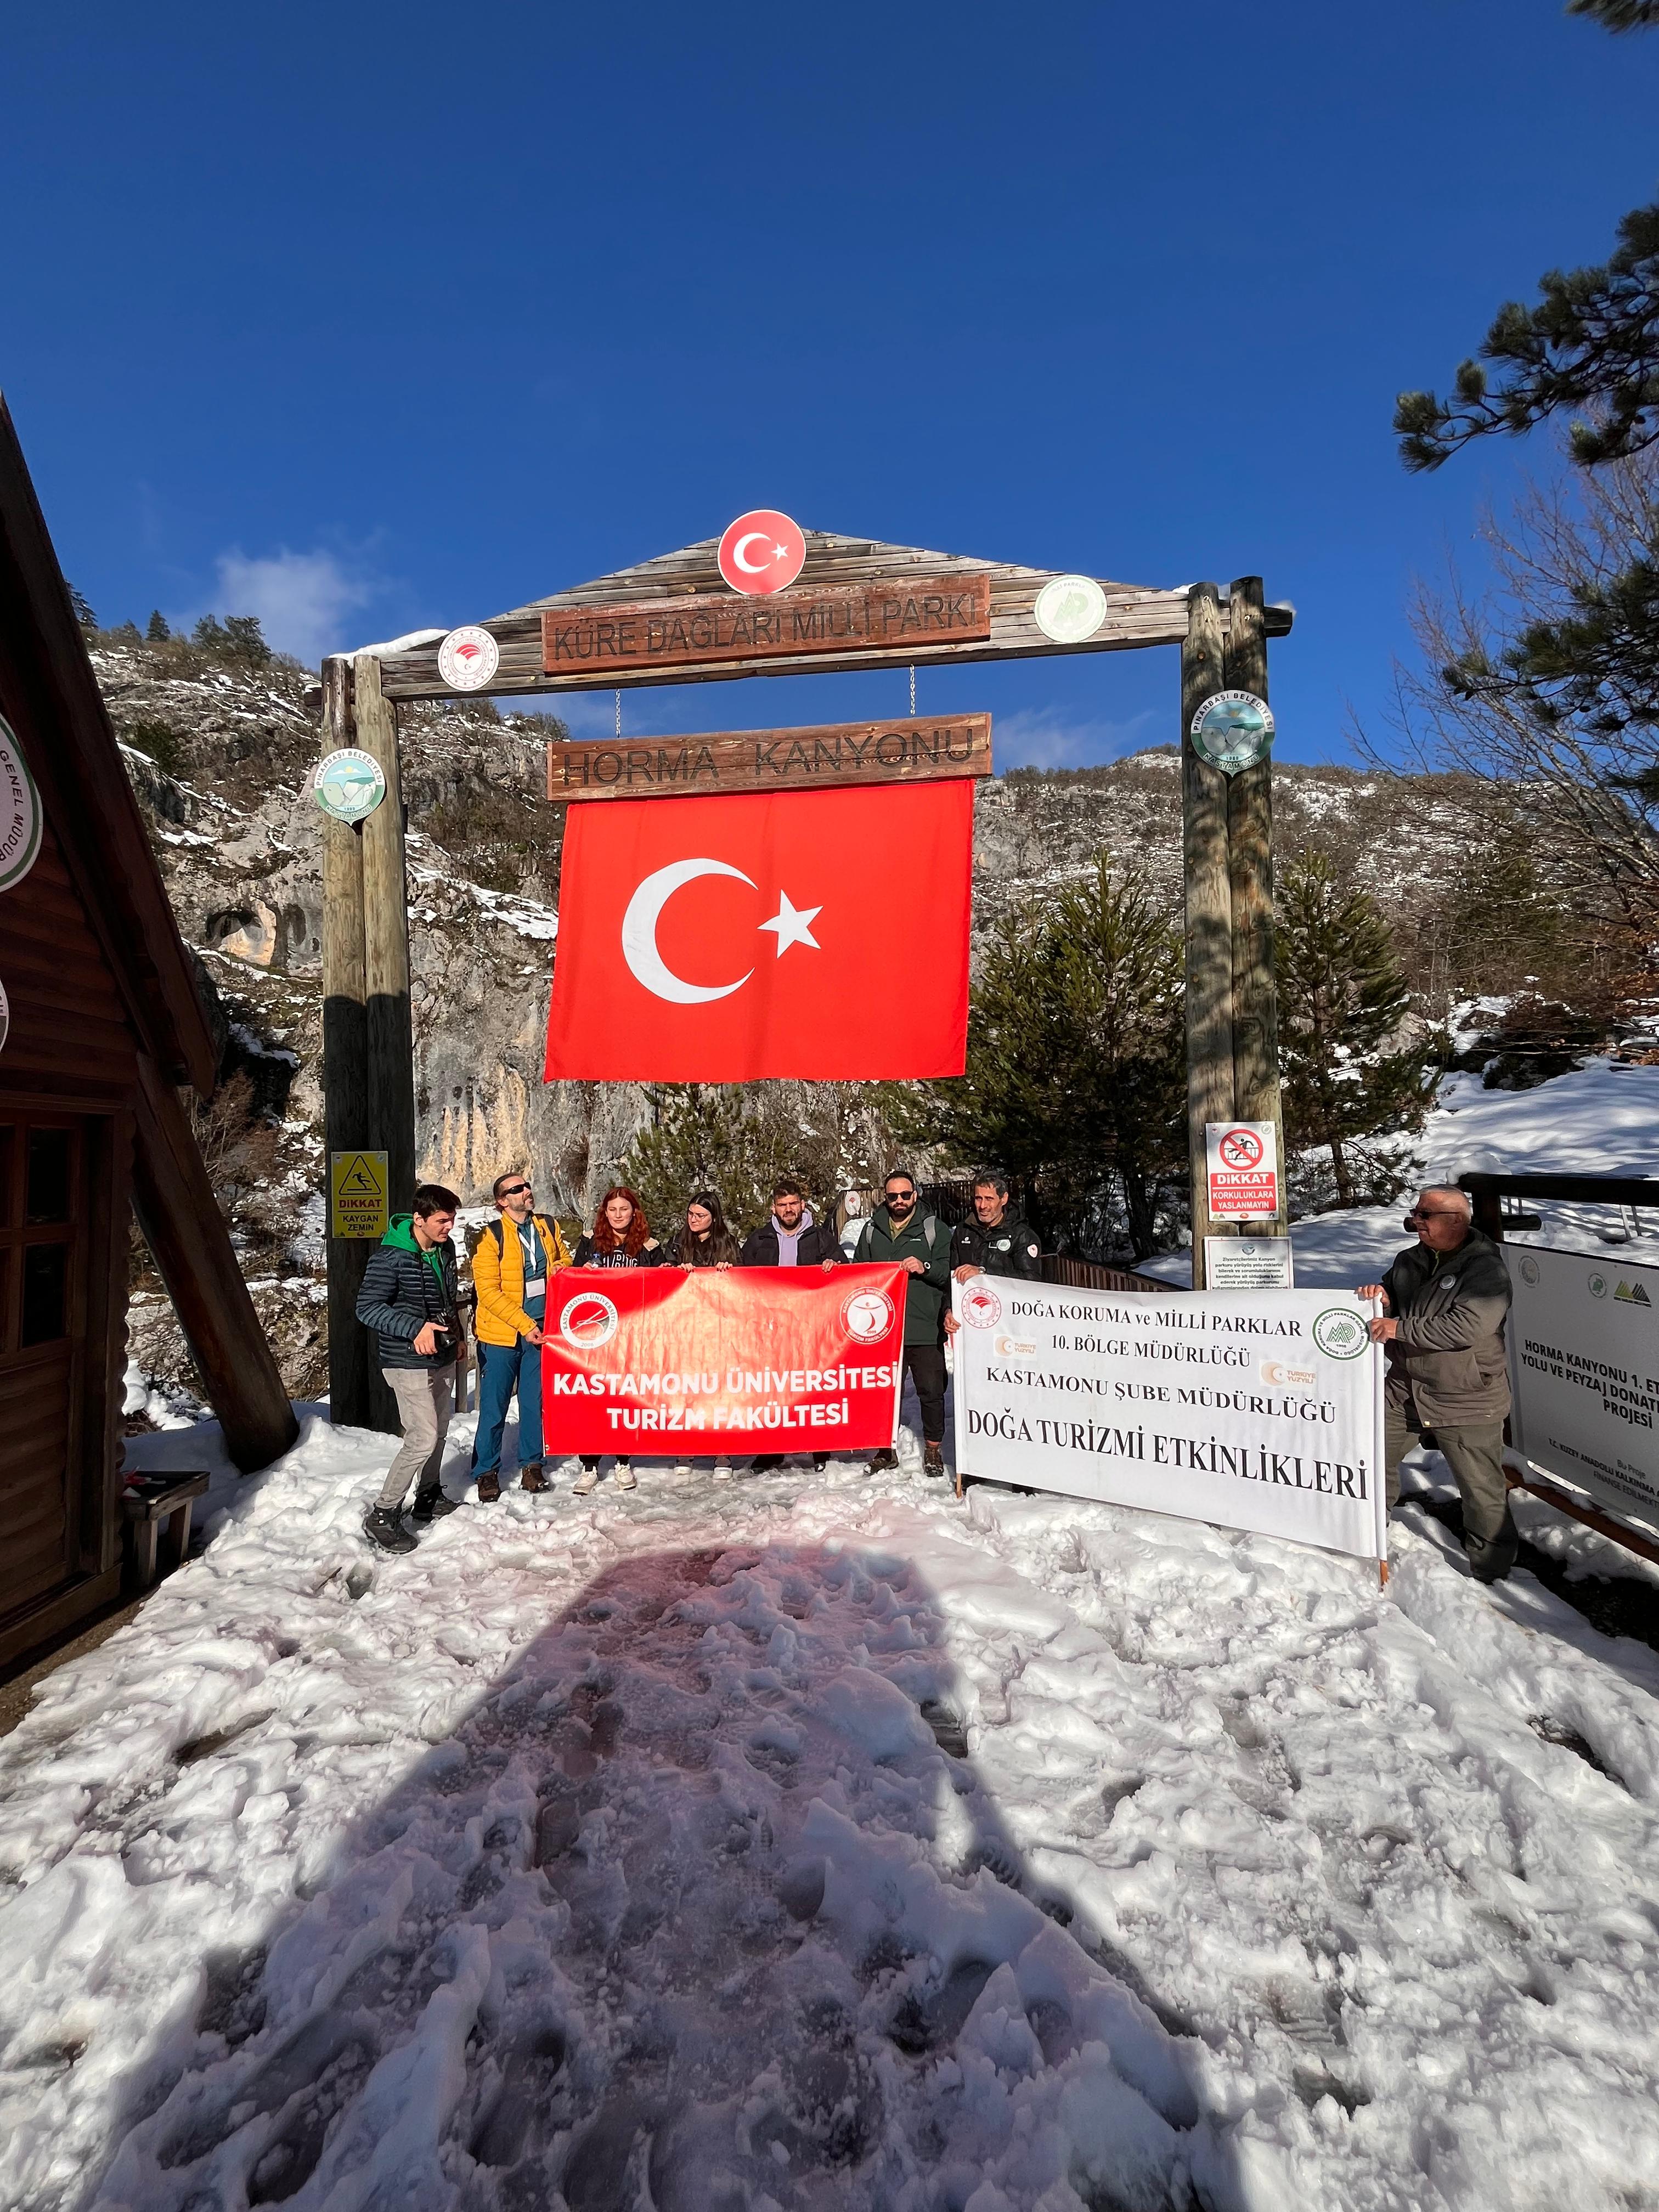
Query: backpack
930, 1228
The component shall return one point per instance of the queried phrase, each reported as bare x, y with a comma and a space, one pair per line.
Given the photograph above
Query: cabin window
47, 1198
46, 1282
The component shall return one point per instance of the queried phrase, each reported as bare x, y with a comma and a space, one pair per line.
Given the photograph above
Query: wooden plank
1250, 871
696, 631
185, 1232
900, 752
1136, 616
1209, 918
48, 1619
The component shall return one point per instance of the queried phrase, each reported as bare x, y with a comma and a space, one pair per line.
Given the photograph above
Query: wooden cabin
102, 1023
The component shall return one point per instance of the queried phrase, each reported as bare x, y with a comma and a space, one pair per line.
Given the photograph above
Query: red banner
698, 1363
719, 940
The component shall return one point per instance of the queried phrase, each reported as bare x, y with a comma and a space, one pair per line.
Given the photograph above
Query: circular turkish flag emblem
761, 551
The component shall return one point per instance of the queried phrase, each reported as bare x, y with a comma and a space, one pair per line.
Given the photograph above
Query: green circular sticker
20, 811
1341, 1335
349, 785
1233, 731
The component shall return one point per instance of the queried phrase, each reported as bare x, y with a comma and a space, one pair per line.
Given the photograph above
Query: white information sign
1242, 1159
1256, 1409
1249, 1263
1583, 1343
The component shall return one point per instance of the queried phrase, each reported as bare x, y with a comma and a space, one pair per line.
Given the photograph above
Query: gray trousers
1474, 1452
425, 1396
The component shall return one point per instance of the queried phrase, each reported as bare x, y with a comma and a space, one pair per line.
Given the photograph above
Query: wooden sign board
907, 750
646, 634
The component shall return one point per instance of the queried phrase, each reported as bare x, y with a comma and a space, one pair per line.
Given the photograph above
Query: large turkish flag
814, 933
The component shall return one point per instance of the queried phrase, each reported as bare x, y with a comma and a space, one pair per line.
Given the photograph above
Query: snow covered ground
817, 1842
1601, 1120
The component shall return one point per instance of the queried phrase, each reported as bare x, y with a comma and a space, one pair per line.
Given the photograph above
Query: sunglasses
901, 1193
513, 1189
1434, 1213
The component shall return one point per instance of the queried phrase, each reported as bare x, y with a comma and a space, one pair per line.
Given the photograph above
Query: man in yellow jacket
515, 1258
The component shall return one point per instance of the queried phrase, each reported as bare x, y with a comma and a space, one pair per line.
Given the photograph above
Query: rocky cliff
221, 752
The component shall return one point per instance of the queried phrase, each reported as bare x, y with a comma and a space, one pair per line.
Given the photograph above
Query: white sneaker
682, 1467
722, 1470
587, 1481
624, 1473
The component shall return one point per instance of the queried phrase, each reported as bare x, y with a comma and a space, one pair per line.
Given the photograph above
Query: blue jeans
502, 1367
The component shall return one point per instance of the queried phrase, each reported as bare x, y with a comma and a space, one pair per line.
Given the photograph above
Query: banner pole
1380, 1435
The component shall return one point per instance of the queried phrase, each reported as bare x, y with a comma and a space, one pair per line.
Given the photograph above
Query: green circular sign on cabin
20, 811
1233, 731
350, 784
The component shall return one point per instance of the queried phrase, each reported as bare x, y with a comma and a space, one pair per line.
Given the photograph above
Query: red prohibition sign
1241, 1148
761, 551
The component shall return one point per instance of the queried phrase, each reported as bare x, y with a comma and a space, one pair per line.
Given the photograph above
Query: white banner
1583, 1343
1255, 1409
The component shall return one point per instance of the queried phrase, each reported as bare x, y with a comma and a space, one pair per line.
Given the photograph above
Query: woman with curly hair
620, 1237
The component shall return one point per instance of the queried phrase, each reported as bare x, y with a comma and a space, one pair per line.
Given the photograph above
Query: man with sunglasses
920, 1242
511, 1266
1447, 1296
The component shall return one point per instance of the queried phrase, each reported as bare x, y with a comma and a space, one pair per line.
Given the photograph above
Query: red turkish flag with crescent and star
821, 934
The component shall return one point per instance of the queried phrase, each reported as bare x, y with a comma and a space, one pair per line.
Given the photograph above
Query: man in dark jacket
791, 1239
409, 1299
1447, 1296
996, 1242
897, 1230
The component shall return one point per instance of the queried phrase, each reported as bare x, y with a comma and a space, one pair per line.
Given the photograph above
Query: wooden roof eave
51, 697
1137, 615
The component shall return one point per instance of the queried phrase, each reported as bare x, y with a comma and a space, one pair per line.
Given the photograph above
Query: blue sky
365, 319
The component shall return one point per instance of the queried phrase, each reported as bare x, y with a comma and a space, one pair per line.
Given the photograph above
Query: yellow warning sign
356, 1187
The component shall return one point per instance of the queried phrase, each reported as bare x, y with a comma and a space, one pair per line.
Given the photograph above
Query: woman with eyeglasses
702, 1240
620, 1237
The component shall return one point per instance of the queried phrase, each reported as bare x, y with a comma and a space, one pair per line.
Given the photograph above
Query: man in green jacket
920, 1244
1446, 1297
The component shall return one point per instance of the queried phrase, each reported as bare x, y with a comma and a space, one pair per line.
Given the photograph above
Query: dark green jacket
1449, 1356
927, 1296
403, 1289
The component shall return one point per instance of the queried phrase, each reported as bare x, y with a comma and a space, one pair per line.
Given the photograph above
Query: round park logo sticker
1232, 731
1340, 1335
19, 812
867, 1315
588, 1321
468, 658
1530, 1272
981, 1306
349, 785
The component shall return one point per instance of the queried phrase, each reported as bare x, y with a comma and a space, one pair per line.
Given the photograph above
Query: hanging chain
913, 688
619, 713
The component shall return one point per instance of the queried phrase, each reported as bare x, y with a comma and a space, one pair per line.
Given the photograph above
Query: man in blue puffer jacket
409, 1299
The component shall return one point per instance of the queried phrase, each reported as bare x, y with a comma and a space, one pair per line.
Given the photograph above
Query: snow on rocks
822, 1842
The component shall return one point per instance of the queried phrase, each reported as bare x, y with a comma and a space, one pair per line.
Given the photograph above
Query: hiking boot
387, 1530
765, 1464
933, 1461
586, 1482
682, 1467
432, 1505
723, 1470
623, 1472
820, 1460
489, 1487
532, 1477
883, 1463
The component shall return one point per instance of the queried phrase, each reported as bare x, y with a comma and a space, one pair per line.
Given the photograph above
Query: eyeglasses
513, 1189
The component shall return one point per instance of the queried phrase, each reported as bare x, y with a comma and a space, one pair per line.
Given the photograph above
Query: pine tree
1075, 1079
158, 633
1590, 347
246, 640
1342, 1001
83, 613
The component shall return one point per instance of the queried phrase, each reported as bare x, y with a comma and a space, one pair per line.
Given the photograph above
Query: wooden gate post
1250, 867
345, 1064
1209, 914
